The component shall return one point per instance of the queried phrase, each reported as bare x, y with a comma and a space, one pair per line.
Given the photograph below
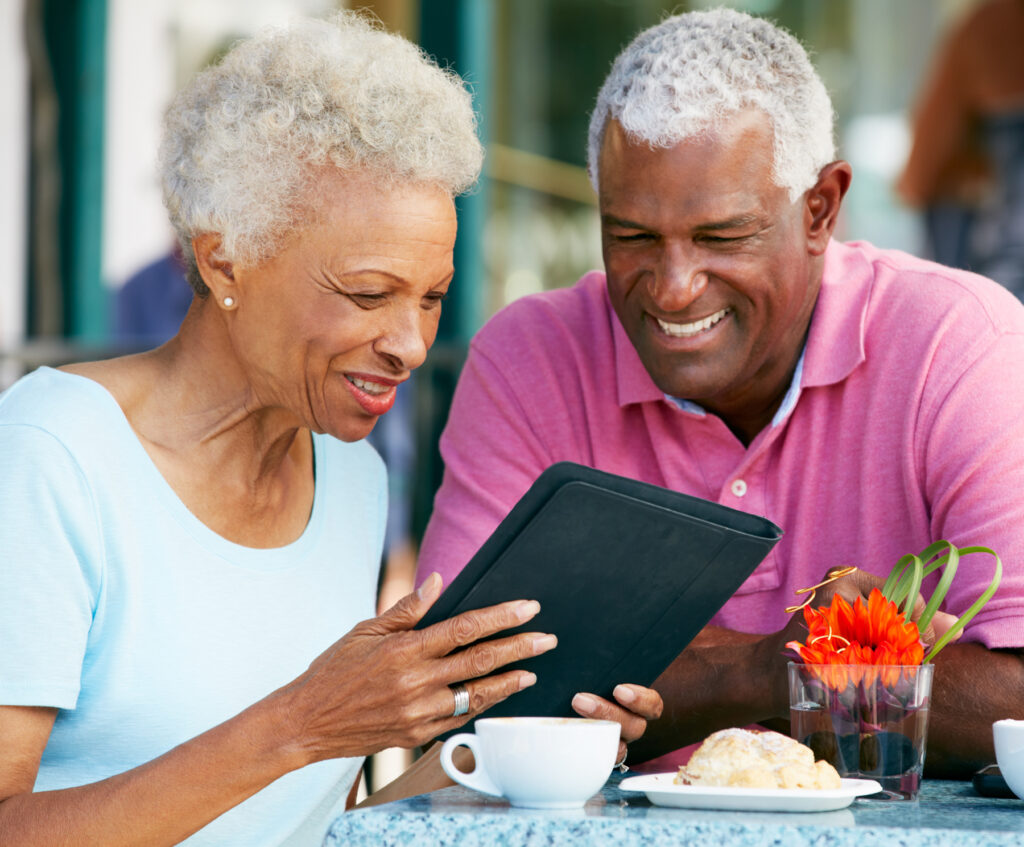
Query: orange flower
845, 638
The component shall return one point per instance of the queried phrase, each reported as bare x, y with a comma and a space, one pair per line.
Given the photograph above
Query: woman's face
330, 326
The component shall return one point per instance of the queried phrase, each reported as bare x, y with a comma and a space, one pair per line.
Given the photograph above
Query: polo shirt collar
835, 343
633, 383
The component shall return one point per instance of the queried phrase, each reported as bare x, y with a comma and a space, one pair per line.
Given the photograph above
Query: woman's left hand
636, 705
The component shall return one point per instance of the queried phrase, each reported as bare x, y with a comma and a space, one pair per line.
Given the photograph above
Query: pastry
743, 758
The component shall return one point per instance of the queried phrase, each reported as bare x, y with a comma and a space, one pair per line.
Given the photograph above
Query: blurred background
87, 267
88, 80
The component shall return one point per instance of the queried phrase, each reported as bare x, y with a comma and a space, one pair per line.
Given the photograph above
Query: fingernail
543, 643
527, 609
429, 588
584, 703
624, 694
526, 680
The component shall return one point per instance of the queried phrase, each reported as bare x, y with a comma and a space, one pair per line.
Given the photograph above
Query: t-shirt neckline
264, 557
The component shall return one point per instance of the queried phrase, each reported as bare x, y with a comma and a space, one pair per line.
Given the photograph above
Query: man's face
709, 265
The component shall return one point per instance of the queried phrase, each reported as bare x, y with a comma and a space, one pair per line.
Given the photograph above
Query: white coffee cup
1008, 736
537, 763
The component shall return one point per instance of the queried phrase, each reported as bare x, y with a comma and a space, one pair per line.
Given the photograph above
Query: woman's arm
382, 685
161, 802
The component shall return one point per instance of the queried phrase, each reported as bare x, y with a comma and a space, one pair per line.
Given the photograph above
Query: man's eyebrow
737, 222
730, 223
612, 220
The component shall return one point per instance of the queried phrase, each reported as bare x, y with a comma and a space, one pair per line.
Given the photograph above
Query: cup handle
477, 778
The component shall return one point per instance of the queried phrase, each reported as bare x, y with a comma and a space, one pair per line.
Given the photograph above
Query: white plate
662, 791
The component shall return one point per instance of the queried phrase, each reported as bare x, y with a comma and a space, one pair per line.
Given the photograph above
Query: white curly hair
245, 142
691, 72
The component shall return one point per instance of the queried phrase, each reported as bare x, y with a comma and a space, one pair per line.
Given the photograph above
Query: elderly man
867, 402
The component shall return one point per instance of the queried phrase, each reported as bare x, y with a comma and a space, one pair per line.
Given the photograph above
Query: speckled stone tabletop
947, 813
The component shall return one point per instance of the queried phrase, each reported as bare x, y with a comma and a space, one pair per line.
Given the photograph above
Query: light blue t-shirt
144, 627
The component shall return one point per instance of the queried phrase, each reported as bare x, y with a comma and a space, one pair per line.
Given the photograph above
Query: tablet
626, 573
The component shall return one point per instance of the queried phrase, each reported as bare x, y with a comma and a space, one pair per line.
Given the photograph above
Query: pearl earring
229, 302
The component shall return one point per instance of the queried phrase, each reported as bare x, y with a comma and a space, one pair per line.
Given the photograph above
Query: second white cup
1008, 736
537, 763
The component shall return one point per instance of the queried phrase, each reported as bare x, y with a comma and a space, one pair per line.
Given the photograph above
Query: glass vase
868, 721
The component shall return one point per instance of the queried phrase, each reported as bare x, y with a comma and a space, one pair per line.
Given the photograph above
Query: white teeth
686, 330
369, 387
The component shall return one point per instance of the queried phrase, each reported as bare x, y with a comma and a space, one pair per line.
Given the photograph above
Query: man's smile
688, 330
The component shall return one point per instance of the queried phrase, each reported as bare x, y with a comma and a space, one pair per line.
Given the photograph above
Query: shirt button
739, 487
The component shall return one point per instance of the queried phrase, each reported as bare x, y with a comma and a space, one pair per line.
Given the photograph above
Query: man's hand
859, 584
635, 707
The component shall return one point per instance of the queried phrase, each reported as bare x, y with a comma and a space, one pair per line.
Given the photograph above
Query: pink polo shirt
904, 426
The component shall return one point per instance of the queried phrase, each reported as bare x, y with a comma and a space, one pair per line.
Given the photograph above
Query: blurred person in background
187, 531
966, 165
151, 304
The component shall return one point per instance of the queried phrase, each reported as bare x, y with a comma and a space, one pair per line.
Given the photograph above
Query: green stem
904, 584
949, 564
976, 606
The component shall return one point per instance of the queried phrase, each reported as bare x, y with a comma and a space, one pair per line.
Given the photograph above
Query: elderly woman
186, 533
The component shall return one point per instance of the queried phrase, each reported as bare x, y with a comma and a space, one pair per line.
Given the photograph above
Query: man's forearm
973, 687
724, 678
733, 679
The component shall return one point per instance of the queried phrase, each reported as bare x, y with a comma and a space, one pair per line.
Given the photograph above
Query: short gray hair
691, 72
244, 142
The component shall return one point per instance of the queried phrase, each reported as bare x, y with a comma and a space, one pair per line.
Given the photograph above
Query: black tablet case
627, 573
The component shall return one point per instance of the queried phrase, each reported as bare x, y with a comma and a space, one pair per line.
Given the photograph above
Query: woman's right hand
385, 684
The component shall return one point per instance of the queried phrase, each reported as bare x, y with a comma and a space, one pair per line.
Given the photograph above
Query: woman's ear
823, 202
217, 272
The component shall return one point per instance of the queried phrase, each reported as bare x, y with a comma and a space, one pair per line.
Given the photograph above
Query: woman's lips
375, 394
